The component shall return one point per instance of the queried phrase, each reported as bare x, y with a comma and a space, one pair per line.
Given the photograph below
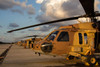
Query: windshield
52, 35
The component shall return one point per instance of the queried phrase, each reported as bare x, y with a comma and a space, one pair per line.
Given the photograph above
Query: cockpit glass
52, 35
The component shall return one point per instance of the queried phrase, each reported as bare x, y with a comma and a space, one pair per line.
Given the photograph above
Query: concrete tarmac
3, 47
18, 56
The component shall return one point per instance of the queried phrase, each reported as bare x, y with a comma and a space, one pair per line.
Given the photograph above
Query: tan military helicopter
79, 40
19, 43
28, 43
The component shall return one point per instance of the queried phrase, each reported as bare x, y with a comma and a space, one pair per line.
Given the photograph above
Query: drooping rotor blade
88, 6
34, 36
50, 22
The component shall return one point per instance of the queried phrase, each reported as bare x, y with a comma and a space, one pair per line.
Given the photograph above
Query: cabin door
61, 43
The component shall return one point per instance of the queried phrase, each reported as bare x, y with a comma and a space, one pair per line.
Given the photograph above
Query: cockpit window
52, 35
85, 38
80, 38
63, 36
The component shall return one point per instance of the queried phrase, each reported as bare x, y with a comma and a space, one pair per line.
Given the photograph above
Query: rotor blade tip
9, 31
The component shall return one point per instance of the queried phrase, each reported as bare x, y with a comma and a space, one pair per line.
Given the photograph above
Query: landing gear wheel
91, 60
71, 57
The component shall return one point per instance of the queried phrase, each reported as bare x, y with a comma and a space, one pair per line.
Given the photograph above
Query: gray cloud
2, 38
43, 28
22, 32
58, 9
43, 18
30, 17
6, 4
31, 11
17, 10
9, 4
31, 30
0, 26
53, 10
13, 25
61, 9
72, 8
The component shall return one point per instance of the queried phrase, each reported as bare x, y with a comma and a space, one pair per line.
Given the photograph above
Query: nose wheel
91, 59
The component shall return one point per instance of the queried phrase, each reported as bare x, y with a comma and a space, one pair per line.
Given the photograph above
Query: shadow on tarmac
77, 65
74, 65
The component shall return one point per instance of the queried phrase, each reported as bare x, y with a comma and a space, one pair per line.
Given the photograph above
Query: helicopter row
28, 42
81, 40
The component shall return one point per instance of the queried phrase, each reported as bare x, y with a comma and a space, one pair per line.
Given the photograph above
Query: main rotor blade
88, 6
34, 36
50, 22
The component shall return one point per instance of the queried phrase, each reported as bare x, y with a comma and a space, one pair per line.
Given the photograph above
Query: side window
85, 38
53, 35
63, 36
80, 38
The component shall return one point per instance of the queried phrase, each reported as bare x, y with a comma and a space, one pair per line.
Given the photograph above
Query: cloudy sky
20, 13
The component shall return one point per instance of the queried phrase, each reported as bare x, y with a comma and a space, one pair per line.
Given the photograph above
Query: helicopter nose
46, 47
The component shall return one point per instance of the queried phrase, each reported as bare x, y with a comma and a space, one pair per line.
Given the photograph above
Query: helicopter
80, 40
19, 43
28, 43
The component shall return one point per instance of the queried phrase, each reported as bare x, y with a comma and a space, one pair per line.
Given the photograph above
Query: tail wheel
91, 60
